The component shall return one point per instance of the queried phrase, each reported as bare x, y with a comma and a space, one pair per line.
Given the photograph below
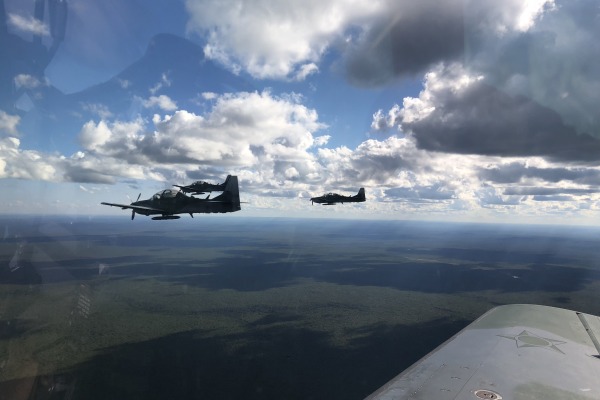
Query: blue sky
455, 110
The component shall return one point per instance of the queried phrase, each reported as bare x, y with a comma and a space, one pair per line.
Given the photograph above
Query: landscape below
250, 308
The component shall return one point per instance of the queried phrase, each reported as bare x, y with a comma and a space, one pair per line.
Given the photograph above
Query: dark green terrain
228, 308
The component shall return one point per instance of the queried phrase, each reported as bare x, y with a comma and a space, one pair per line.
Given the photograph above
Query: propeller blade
132, 214
139, 196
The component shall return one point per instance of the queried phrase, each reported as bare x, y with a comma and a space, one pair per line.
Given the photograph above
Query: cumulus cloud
209, 95
385, 122
273, 38
24, 164
403, 173
460, 113
265, 137
245, 130
306, 70
381, 39
163, 102
519, 108
164, 82
19, 163
372, 161
9, 123
321, 140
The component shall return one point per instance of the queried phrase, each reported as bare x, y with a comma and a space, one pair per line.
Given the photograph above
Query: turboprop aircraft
167, 203
330, 199
519, 351
201, 187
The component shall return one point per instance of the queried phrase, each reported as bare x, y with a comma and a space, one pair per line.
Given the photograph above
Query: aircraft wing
518, 351
140, 209
187, 189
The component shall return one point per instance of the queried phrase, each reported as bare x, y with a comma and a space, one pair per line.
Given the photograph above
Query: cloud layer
507, 117
276, 39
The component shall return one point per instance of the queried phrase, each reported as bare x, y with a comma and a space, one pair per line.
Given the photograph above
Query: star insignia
528, 339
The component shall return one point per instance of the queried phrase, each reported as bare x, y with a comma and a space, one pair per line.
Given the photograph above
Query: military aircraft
169, 202
330, 199
518, 351
201, 187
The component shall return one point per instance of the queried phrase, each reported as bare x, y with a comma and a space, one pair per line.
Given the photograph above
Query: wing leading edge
517, 351
140, 209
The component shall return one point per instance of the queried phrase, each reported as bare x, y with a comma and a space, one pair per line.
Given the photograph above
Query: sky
461, 110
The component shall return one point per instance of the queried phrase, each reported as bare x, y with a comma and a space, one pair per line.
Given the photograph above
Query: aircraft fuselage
331, 199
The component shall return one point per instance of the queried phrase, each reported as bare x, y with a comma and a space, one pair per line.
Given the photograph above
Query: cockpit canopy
166, 194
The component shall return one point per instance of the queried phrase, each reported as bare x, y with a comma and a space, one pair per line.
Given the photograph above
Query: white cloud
163, 102
27, 81
286, 39
249, 131
9, 123
306, 70
383, 122
321, 140
28, 24
209, 95
164, 82
532, 10
273, 38
80, 167
25, 164
291, 173
459, 112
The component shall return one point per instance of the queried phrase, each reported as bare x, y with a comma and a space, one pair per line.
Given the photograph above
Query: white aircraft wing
516, 352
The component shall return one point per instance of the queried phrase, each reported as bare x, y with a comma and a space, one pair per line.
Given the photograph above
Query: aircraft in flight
169, 202
201, 187
518, 351
330, 199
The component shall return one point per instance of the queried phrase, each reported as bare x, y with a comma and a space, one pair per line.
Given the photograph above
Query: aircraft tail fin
361, 195
231, 193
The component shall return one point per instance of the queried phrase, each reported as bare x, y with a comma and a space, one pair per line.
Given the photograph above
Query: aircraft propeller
133, 211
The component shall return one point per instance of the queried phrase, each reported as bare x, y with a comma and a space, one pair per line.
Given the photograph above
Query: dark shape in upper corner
201, 187
169, 202
330, 199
